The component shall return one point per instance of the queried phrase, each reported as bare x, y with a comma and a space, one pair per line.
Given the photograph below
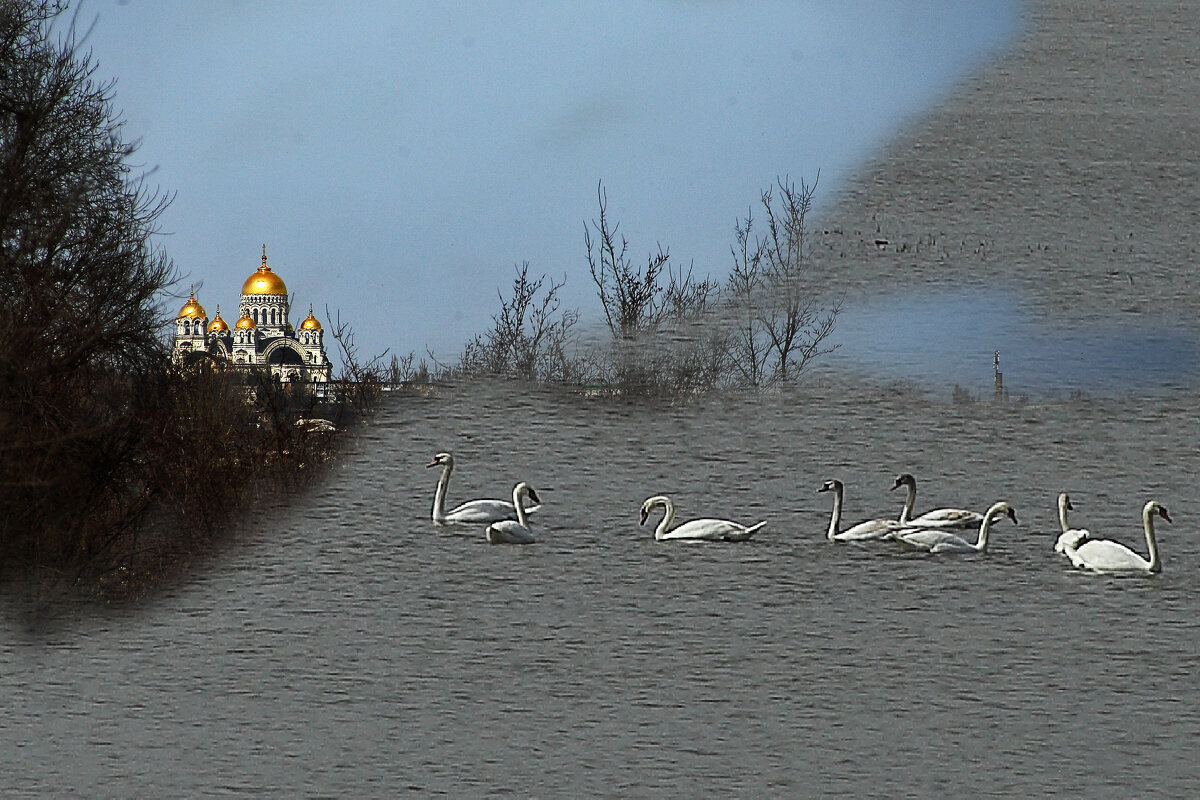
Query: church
262, 338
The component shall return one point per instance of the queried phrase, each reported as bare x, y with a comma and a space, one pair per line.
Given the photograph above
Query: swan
474, 511
1070, 537
712, 530
870, 530
507, 531
939, 517
1105, 555
936, 540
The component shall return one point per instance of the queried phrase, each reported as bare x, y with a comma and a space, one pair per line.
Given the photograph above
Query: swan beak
1162, 512
1013, 516
534, 495
824, 488
433, 463
645, 514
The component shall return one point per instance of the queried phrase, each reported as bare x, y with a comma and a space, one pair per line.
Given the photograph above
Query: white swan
712, 530
935, 540
870, 530
473, 512
939, 517
508, 531
1070, 537
1105, 555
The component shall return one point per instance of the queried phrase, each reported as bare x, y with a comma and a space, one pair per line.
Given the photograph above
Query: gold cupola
245, 323
263, 281
218, 325
191, 309
310, 322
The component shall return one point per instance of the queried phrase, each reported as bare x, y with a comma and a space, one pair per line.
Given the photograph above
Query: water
349, 647
346, 647
947, 338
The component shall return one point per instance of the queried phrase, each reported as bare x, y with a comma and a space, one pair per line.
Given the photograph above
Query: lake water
949, 338
347, 647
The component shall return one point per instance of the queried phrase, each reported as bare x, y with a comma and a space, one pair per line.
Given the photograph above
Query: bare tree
635, 299
79, 281
749, 346
780, 322
528, 339
362, 378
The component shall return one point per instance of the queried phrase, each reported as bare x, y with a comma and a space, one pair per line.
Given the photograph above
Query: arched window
272, 316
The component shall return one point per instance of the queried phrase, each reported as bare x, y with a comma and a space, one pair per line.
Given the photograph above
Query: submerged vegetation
669, 332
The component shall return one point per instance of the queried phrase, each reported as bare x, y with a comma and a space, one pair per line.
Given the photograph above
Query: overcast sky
400, 158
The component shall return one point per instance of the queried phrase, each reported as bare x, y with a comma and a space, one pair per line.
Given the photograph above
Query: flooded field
349, 647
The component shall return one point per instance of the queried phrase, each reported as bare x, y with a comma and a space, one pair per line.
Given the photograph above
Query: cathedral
262, 338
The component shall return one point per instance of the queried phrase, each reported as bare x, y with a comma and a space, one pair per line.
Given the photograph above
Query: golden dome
245, 323
191, 309
263, 281
310, 323
218, 325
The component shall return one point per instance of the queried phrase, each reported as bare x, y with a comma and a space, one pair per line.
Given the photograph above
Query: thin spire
264, 256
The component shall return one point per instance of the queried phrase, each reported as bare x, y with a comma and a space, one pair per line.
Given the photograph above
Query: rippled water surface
347, 647
353, 648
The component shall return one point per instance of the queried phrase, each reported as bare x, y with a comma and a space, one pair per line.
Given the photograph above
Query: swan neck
910, 500
835, 520
439, 497
1151, 542
519, 493
1062, 515
984, 527
668, 518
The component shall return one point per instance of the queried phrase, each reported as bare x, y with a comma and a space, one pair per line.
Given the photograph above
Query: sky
400, 159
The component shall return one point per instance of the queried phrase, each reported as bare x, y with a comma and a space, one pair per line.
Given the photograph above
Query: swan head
904, 479
1153, 507
441, 460
1003, 509
648, 506
832, 485
528, 491
1064, 501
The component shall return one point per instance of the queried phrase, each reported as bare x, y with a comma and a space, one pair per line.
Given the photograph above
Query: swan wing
509, 532
1105, 555
481, 512
1071, 539
712, 530
948, 518
930, 538
869, 531
744, 533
